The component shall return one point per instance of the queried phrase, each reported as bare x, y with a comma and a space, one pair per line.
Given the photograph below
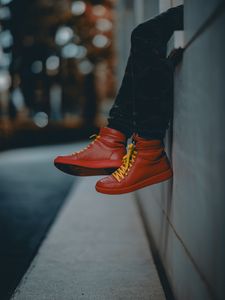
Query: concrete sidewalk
97, 249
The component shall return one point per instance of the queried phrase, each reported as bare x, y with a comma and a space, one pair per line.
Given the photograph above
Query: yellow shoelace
95, 136
127, 163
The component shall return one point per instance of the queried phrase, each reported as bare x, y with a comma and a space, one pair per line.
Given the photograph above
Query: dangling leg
151, 85
153, 73
148, 79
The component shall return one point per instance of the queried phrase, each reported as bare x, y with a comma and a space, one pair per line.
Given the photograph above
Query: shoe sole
150, 181
83, 171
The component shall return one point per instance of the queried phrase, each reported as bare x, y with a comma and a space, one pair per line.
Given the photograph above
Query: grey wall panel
199, 153
186, 215
186, 283
151, 9
196, 14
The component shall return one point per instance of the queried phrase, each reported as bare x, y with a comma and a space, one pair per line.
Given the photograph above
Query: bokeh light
5, 59
82, 52
5, 2
52, 63
85, 67
78, 8
37, 67
104, 24
63, 35
17, 98
100, 41
5, 80
99, 10
5, 13
70, 51
6, 39
41, 119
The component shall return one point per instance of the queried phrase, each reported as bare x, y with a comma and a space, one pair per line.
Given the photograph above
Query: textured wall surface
186, 215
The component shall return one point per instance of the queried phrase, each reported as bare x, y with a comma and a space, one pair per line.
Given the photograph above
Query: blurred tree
60, 42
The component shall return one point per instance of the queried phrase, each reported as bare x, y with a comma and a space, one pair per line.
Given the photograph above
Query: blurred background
57, 69
57, 83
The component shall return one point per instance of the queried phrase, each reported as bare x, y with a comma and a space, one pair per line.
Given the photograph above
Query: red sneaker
145, 164
101, 157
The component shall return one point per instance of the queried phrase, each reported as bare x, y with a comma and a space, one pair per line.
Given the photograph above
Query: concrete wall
186, 215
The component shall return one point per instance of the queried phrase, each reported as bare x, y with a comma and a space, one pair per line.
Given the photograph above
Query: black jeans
144, 102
